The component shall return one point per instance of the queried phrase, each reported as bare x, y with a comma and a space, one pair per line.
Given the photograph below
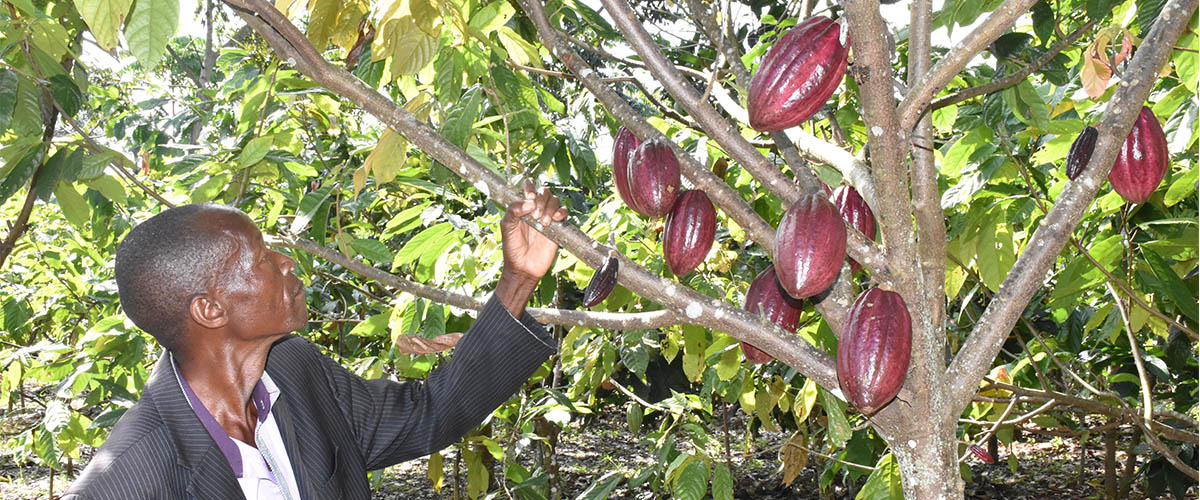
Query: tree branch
551, 316
929, 351
1055, 230
1016, 77
885, 138
697, 309
932, 82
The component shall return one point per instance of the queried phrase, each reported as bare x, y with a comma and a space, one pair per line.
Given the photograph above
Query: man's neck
223, 377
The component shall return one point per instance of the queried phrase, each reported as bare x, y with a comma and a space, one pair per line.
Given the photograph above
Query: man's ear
207, 312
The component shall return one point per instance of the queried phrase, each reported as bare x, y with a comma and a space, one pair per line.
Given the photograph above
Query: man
239, 407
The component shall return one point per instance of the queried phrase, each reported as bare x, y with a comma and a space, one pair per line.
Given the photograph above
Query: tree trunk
929, 464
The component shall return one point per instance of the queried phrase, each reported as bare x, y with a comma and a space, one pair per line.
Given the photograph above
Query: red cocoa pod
874, 350
688, 235
765, 297
810, 244
797, 75
623, 146
1081, 152
855, 211
1142, 161
982, 454
653, 179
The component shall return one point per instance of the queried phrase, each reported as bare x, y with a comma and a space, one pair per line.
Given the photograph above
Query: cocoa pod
810, 244
982, 454
767, 298
653, 179
623, 146
1081, 152
855, 211
603, 281
874, 350
688, 236
1142, 161
797, 75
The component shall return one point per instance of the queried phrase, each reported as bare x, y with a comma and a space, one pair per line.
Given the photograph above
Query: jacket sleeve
397, 421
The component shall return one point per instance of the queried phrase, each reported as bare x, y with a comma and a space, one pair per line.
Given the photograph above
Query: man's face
256, 285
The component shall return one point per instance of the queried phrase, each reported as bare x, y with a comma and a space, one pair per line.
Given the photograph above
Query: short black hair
166, 261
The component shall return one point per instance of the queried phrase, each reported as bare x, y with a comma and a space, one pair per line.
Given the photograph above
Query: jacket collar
210, 475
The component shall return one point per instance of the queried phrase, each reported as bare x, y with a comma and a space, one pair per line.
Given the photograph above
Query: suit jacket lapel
210, 475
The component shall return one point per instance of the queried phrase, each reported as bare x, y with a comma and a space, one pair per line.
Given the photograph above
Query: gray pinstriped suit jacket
336, 426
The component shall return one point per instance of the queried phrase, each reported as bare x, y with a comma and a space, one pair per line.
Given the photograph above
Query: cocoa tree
883, 136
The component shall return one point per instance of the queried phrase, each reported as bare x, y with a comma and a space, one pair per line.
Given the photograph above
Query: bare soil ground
1048, 468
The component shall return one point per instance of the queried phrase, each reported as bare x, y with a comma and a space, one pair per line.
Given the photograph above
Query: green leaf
839, 428
60, 165
416, 246
27, 114
1099, 9
956, 157
104, 18
448, 75
256, 149
457, 125
308, 207
1182, 187
884, 482
692, 481
1185, 62
722, 482
1174, 288
149, 27
372, 327
66, 94
110, 188
1043, 20
20, 173
8, 96
944, 118
1147, 13
600, 489
50, 37
435, 321
374, 250
997, 253
74, 207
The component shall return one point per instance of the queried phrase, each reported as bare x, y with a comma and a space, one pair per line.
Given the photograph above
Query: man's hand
528, 254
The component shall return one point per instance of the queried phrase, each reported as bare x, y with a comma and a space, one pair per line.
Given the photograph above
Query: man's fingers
548, 211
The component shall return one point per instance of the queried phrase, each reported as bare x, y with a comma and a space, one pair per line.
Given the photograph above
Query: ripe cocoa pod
653, 179
1142, 161
623, 146
810, 244
874, 350
855, 211
797, 75
765, 297
603, 281
688, 236
1081, 152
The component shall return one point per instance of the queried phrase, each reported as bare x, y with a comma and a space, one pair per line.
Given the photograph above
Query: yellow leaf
104, 18
344, 32
360, 178
322, 18
427, 14
519, 50
387, 157
409, 47
420, 105
287, 7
